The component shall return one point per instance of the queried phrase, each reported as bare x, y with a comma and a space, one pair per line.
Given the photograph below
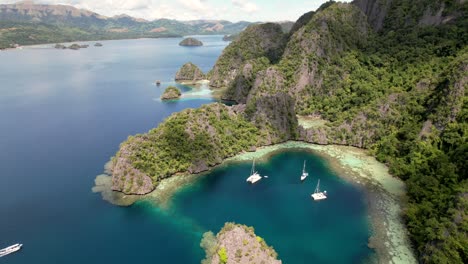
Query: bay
63, 114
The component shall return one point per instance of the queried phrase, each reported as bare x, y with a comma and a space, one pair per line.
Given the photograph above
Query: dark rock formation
191, 42
75, 47
98, 44
189, 72
60, 46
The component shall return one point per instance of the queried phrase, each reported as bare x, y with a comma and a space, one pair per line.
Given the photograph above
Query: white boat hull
10, 249
254, 178
319, 196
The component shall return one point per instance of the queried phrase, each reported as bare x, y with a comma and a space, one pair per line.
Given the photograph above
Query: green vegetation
191, 140
26, 33
189, 72
400, 92
40, 24
209, 243
171, 92
223, 258
261, 40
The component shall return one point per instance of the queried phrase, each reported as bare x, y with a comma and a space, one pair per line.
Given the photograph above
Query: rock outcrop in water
191, 42
189, 72
171, 92
237, 244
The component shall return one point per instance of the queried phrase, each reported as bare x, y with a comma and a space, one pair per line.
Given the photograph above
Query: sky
232, 10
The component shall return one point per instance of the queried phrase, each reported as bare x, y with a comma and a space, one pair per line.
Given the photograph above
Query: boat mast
317, 189
253, 167
303, 170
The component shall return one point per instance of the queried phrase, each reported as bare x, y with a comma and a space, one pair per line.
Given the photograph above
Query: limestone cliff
190, 141
237, 244
189, 72
394, 14
263, 40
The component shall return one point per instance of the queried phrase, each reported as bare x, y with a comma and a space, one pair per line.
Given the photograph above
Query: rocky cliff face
189, 72
394, 14
190, 141
263, 40
237, 244
375, 10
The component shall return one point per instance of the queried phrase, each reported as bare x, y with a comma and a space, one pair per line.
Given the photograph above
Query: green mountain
26, 23
389, 76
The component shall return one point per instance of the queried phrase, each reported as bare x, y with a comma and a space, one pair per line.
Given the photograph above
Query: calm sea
63, 114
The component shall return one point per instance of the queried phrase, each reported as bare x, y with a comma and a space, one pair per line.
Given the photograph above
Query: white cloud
233, 10
194, 5
245, 5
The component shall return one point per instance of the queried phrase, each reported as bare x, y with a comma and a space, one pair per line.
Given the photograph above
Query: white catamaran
254, 176
318, 195
304, 173
10, 249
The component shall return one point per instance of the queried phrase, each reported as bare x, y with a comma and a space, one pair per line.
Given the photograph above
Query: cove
279, 208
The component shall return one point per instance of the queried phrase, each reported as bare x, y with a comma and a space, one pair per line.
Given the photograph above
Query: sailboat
254, 176
304, 173
318, 195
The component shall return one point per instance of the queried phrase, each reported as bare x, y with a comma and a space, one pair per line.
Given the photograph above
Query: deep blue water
63, 114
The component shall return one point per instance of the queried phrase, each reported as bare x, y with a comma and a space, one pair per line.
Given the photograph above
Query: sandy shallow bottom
385, 193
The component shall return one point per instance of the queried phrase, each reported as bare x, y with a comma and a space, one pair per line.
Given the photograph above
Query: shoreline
384, 193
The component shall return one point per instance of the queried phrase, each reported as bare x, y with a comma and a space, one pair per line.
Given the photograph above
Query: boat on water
318, 195
254, 176
304, 173
10, 249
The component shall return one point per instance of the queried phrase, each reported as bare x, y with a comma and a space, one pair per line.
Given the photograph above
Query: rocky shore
237, 244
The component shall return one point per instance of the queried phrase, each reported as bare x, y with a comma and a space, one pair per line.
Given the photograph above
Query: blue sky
233, 10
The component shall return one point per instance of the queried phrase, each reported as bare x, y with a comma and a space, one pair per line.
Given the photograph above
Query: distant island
237, 244
191, 42
27, 23
72, 46
170, 93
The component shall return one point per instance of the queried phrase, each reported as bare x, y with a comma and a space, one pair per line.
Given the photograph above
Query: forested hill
385, 75
388, 76
28, 23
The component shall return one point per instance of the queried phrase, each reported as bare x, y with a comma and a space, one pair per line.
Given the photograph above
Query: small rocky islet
190, 42
171, 93
189, 73
237, 243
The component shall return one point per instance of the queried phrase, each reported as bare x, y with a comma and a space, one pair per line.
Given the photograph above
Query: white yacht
304, 173
318, 195
10, 249
254, 176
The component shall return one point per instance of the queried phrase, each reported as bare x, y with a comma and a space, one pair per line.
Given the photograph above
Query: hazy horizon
185, 10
